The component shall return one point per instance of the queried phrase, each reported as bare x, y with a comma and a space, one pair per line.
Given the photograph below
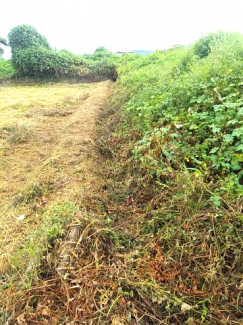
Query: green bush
32, 56
188, 111
6, 68
44, 62
204, 45
101, 53
25, 36
180, 147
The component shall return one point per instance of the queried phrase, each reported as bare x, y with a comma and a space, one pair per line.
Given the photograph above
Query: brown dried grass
57, 162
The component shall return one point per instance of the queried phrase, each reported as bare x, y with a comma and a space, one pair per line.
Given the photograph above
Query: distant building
143, 52
124, 51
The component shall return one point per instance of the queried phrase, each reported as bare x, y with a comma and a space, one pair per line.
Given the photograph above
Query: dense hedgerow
32, 56
188, 110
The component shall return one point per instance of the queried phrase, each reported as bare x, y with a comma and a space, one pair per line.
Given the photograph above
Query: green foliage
24, 36
188, 111
101, 53
32, 56
41, 61
179, 149
204, 45
3, 41
6, 68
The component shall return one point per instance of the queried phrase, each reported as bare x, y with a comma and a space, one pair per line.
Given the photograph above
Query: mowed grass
48, 162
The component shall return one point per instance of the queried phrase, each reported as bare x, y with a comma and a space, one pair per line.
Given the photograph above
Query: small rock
21, 217
185, 307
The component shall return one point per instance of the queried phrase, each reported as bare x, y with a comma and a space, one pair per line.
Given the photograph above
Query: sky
81, 26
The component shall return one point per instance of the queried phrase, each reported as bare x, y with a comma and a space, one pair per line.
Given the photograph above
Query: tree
27, 44
101, 53
3, 41
25, 36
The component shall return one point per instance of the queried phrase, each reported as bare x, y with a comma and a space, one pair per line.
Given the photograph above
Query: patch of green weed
6, 69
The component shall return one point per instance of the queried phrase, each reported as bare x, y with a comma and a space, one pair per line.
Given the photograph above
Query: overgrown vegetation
6, 69
180, 136
32, 56
188, 109
160, 239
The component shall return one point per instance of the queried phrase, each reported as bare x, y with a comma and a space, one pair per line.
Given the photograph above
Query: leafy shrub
6, 68
25, 36
101, 53
204, 45
32, 56
183, 124
188, 111
41, 61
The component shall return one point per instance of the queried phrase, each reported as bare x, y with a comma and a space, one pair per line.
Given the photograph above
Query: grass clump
18, 134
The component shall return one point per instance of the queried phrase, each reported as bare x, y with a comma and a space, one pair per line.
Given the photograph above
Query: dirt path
48, 155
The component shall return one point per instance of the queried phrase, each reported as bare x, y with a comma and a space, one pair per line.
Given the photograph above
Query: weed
29, 194
6, 69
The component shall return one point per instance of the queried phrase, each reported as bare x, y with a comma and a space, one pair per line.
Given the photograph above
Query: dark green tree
24, 36
30, 51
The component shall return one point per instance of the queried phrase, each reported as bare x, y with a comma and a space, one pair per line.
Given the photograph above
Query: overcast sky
83, 25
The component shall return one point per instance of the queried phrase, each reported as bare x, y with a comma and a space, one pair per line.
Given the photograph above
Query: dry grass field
48, 164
